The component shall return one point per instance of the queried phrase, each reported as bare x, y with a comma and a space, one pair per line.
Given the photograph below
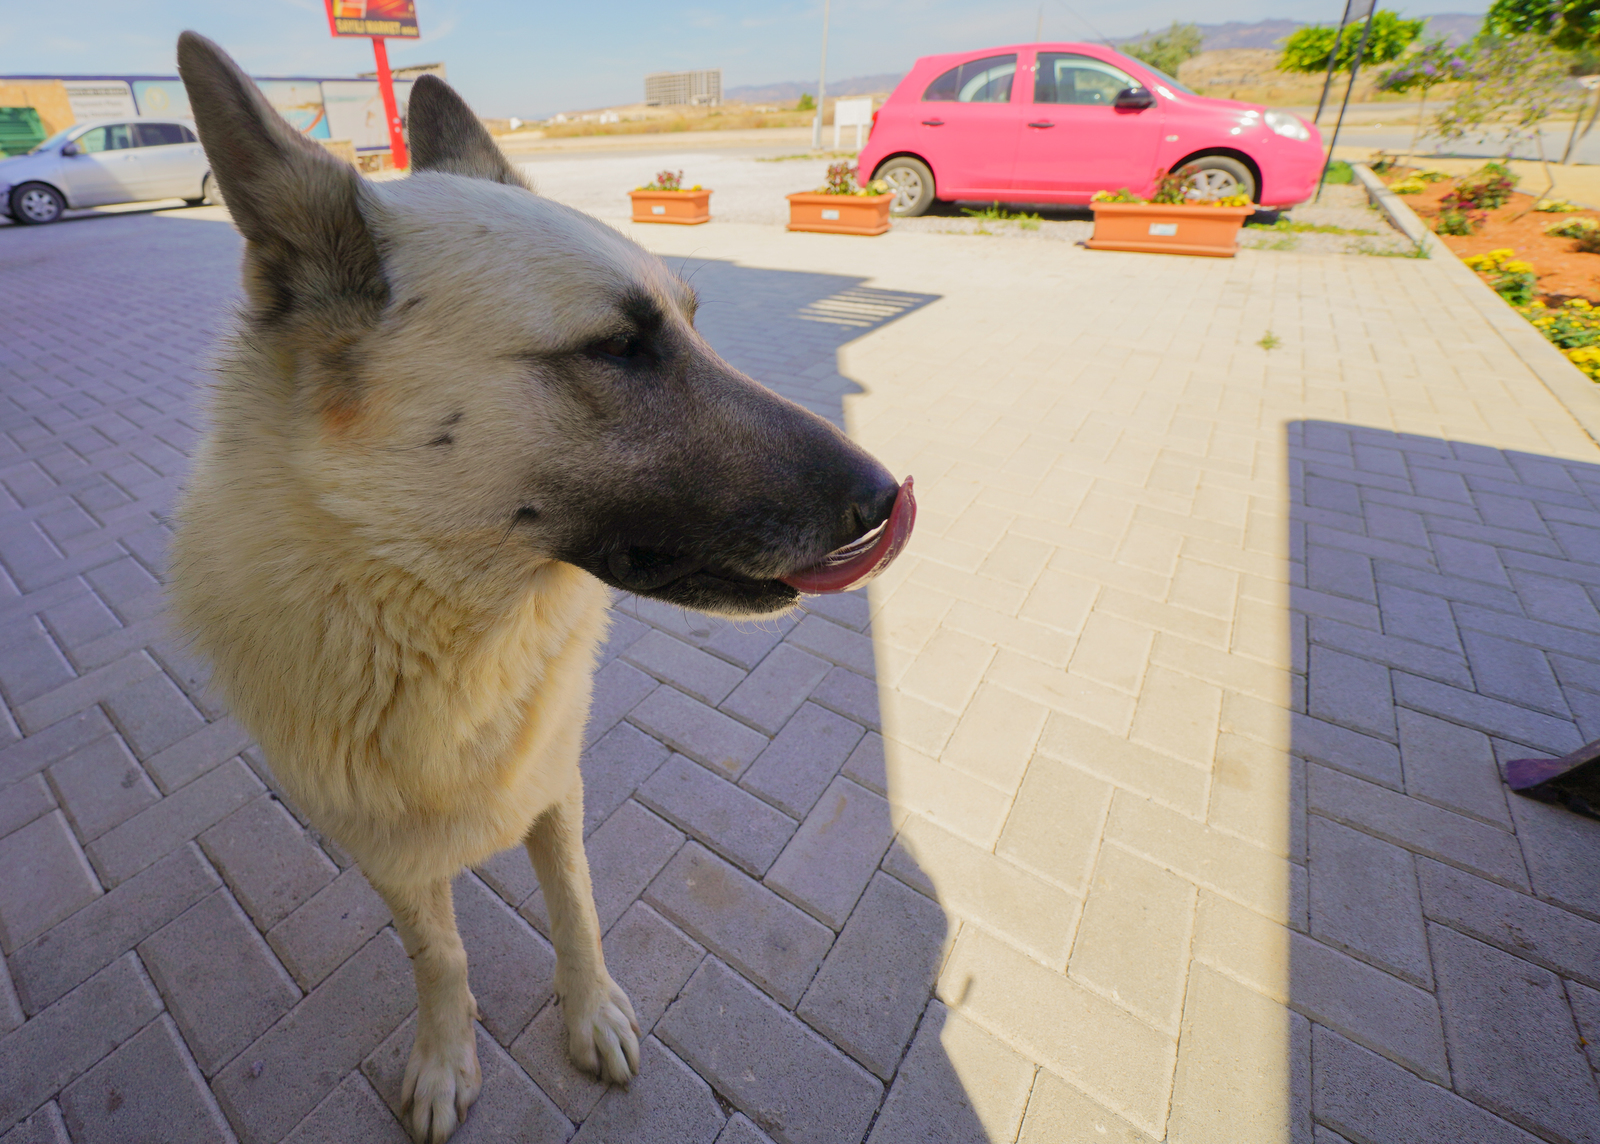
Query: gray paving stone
46, 879
666, 1101
191, 757
41, 748
747, 643
511, 969
618, 688
510, 1106
123, 851
85, 691
1562, 851
1392, 650
542, 1051
1339, 570
340, 919
510, 874
100, 786
83, 944
1520, 924
70, 1036
1495, 1006
737, 825
284, 1074
148, 1089
622, 633
930, 1100
30, 663
267, 860
1514, 671
790, 1082
1060, 1114
1416, 825
24, 801
153, 714
740, 1130
706, 736
219, 1013
851, 695
877, 978
1419, 616
1453, 767
10, 1007
612, 770
851, 609
1586, 1012
827, 864
1364, 900
687, 668
836, 644
796, 768
624, 854
1485, 713
79, 620
1368, 1006
1352, 692
1367, 1098
43, 1127
771, 942
352, 1114
866, 764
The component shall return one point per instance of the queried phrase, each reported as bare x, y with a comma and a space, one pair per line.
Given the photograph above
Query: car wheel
912, 184
34, 204
210, 193
1217, 177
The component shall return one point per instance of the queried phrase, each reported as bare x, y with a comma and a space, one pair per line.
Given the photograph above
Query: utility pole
1038, 31
822, 83
1355, 67
1333, 56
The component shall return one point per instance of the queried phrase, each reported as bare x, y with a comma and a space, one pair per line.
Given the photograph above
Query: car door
166, 162
967, 130
1074, 141
100, 172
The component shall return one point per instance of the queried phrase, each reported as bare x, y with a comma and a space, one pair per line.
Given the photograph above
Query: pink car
1080, 119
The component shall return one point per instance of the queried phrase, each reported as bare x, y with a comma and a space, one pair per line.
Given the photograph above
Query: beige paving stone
922, 785
996, 736
1060, 600
1125, 764
1063, 691
1112, 651
1133, 939
1058, 1113
1120, 1061
1257, 793
1178, 715
1055, 821
1033, 640
947, 670
1244, 1067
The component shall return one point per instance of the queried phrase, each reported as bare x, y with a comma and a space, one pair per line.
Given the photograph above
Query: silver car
104, 161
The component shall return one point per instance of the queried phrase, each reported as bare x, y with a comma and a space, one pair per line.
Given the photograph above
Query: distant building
695, 88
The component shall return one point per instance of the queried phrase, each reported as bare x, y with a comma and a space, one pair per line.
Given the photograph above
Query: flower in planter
1574, 329
1171, 190
842, 181
1408, 186
1577, 227
1554, 206
1508, 276
668, 181
1120, 196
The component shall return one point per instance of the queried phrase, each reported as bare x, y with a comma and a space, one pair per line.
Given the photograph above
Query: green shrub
1458, 222
1339, 172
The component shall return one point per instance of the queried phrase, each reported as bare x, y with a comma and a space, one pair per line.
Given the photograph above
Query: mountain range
1454, 27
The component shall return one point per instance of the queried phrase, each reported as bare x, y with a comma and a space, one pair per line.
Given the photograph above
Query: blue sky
513, 57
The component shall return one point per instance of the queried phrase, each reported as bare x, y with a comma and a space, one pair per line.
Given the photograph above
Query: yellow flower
1579, 304
1518, 267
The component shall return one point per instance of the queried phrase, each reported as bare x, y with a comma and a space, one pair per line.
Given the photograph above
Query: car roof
105, 120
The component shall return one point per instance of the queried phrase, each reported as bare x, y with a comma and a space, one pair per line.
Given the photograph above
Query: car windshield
53, 142
1165, 78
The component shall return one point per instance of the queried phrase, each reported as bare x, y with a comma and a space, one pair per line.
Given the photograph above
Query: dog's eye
620, 348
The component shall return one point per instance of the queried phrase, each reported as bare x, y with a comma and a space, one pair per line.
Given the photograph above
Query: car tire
912, 184
1217, 177
34, 204
210, 193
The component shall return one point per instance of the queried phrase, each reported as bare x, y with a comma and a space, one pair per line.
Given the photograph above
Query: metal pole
1038, 29
1355, 67
391, 112
1333, 57
822, 83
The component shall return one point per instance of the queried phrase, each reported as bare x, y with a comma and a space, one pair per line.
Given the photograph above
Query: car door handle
933, 123
1041, 123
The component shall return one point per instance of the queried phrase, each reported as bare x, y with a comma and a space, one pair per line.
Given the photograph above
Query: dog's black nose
872, 496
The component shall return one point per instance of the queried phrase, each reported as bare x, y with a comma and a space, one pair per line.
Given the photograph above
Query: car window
1065, 78
159, 134
977, 81
116, 137
1163, 77
190, 137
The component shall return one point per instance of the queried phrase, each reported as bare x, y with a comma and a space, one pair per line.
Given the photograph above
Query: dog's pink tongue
856, 563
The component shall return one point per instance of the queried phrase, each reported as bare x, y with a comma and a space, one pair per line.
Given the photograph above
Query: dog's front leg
442, 1077
602, 1032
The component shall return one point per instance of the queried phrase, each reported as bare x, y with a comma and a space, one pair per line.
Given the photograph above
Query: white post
822, 84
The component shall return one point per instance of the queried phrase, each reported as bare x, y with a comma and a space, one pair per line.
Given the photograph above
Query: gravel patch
1343, 206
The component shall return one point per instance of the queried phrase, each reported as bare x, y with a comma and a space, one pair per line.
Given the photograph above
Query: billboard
99, 99
355, 111
372, 18
299, 102
162, 97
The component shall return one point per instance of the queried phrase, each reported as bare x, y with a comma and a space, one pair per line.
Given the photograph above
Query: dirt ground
1563, 271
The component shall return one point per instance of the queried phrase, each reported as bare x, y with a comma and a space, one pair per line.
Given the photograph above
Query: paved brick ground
1152, 796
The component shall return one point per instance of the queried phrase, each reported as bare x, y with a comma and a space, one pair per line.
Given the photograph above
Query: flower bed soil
1563, 272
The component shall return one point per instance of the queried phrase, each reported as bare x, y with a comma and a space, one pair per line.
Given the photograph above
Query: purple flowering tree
1422, 70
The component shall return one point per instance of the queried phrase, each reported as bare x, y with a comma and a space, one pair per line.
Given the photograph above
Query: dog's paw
442, 1081
602, 1032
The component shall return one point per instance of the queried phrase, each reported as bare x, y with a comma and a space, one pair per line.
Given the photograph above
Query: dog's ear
310, 253
446, 136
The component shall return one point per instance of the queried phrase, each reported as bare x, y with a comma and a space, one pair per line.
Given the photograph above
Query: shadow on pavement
1444, 618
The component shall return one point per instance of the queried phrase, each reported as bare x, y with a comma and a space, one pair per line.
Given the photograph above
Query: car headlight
1291, 125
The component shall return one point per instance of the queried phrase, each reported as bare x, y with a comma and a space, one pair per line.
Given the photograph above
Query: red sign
372, 17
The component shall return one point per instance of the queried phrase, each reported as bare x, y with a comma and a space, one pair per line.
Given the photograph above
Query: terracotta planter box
686, 208
839, 214
1160, 228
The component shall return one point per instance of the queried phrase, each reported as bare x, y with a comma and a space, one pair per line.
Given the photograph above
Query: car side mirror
1135, 98
69, 149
